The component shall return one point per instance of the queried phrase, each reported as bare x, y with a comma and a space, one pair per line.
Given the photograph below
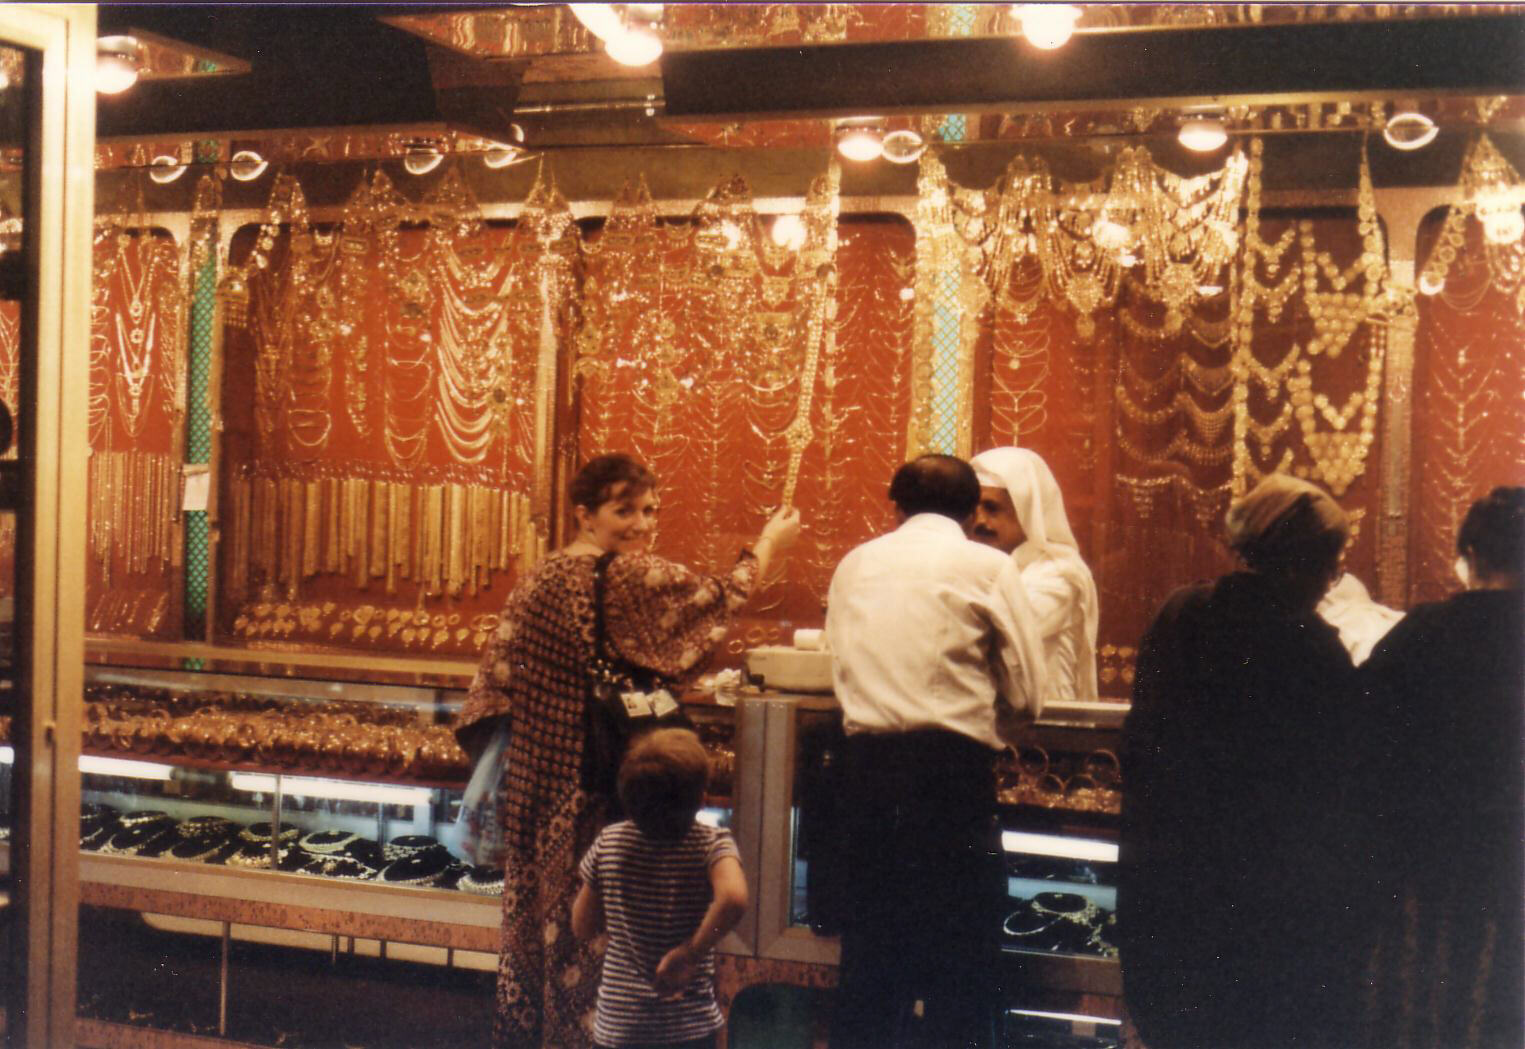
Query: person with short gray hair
1237, 905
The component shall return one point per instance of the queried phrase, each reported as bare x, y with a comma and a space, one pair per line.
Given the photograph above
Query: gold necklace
1339, 457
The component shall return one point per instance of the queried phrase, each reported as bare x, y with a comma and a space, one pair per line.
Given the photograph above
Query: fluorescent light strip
253, 782
89, 763
1054, 845
338, 790
1071, 1017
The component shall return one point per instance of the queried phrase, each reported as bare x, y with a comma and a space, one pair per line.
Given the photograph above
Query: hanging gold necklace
135, 333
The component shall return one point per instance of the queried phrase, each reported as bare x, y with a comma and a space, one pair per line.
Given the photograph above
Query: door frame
58, 214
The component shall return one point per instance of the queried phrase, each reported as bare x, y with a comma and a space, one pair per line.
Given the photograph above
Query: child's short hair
662, 781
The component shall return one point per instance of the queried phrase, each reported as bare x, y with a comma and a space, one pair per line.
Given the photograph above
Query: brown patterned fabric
533, 672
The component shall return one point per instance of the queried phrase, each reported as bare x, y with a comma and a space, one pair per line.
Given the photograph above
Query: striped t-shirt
655, 894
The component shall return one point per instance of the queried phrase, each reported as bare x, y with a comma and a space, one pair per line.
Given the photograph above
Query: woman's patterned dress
534, 672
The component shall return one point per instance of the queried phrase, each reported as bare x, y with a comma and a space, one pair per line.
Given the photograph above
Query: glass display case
339, 780
1060, 796
275, 817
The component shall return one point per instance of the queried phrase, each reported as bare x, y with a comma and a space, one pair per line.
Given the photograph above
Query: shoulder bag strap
600, 638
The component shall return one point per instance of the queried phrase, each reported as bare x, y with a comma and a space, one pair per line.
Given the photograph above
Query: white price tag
198, 487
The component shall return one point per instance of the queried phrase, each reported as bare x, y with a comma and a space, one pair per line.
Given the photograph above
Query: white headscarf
1040, 509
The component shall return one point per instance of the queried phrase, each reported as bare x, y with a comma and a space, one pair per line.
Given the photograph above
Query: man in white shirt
936, 665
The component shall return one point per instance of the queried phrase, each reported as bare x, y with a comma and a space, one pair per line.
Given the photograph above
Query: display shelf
271, 662
285, 772
276, 899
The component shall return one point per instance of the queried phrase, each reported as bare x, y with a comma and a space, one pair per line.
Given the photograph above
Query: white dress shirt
930, 630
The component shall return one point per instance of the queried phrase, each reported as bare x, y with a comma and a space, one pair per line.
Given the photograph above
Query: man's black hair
1493, 532
936, 484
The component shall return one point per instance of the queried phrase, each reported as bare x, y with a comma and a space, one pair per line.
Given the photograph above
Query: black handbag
625, 701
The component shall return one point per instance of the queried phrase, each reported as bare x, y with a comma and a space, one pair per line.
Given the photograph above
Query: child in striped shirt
666, 888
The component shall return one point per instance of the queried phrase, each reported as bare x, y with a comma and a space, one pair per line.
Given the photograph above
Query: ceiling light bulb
247, 165
422, 158
1203, 134
164, 169
500, 155
1046, 26
1503, 227
599, 19
635, 46
1431, 284
860, 142
904, 146
788, 232
1409, 131
116, 64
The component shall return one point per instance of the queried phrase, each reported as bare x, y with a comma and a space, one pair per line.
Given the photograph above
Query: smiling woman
535, 674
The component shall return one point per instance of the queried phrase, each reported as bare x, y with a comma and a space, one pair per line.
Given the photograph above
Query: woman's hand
778, 535
782, 529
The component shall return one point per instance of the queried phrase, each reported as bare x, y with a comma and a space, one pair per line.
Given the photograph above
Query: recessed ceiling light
904, 146
1046, 26
636, 45
860, 140
117, 59
502, 155
1203, 134
164, 169
1409, 131
247, 165
422, 157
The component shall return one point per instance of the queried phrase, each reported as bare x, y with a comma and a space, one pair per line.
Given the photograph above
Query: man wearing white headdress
1021, 512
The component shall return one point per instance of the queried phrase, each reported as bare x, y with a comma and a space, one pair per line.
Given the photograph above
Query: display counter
285, 806
292, 804
1060, 796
